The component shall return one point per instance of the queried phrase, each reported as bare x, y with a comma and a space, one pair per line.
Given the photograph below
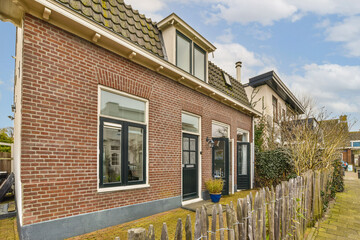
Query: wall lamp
210, 142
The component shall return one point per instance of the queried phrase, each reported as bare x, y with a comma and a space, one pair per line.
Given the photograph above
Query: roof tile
120, 18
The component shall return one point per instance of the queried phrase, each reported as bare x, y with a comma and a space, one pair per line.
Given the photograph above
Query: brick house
351, 153
118, 117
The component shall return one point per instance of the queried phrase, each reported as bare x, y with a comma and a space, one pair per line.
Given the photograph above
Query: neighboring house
351, 153
270, 96
117, 117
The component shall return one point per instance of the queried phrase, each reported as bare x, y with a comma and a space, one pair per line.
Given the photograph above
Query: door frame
194, 136
248, 163
184, 202
227, 161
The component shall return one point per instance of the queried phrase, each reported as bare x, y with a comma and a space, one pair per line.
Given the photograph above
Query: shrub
273, 166
214, 185
337, 184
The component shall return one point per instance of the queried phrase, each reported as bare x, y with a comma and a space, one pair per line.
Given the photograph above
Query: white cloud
1, 82
227, 54
261, 11
227, 37
332, 85
348, 33
149, 8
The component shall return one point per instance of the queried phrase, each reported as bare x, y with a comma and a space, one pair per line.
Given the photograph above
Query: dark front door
190, 166
243, 165
220, 161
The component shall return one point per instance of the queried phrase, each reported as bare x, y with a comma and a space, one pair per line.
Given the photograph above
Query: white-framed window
190, 123
355, 143
122, 139
220, 129
242, 135
190, 57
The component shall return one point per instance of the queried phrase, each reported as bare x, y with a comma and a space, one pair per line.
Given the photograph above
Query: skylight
227, 79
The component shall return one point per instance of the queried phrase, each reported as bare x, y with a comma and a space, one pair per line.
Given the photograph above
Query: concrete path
344, 217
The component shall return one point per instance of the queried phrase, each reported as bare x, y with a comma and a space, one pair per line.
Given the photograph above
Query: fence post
197, 231
178, 232
221, 223
213, 223
204, 223
249, 216
151, 233
137, 234
164, 232
188, 230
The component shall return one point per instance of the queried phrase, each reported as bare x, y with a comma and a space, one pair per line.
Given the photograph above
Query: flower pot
215, 197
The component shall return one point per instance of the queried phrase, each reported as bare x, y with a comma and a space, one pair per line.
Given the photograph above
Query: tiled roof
354, 136
121, 19
236, 91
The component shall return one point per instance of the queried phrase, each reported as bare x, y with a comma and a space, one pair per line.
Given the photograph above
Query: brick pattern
61, 74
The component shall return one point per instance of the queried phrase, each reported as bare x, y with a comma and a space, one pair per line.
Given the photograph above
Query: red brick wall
61, 74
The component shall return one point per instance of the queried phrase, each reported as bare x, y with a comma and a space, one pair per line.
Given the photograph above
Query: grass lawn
8, 229
170, 217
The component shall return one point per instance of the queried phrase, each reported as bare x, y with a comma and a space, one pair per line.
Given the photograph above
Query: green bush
337, 184
273, 166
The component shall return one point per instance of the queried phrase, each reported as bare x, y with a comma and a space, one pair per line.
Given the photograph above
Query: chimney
238, 71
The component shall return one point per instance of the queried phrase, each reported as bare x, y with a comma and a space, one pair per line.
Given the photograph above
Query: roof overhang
177, 22
275, 83
62, 17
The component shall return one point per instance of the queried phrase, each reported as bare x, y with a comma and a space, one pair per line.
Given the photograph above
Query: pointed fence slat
197, 231
151, 233
178, 232
188, 230
213, 223
204, 223
221, 223
164, 232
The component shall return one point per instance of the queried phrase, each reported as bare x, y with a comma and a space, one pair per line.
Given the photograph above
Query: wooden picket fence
281, 213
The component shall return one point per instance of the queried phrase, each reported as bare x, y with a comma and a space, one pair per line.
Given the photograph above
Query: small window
190, 123
356, 144
220, 131
199, 62
275, 109
227, 79
183, 52
242, 136
118, 106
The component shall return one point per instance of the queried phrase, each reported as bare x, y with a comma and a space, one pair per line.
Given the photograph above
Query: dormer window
190, 57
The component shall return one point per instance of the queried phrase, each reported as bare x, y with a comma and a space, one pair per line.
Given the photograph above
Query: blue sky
312, 45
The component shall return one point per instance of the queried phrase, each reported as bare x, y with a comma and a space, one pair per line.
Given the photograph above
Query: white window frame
199, 160
192, 52
118, 92
222, 125
240, 130
352, 143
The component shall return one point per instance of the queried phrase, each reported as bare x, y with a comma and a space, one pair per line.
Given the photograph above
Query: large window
190, 57
122, 140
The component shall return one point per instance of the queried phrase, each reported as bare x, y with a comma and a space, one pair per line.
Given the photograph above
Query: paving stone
344, 217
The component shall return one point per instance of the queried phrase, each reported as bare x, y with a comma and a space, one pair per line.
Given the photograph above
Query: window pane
219, 131
135, 154
199, 63
192, 144
242, 136
186, 157
183, 56
112, 154
185, 143
356, 144
192, 157
119, 106
190, 123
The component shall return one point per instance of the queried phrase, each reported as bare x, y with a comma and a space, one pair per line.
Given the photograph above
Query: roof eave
174, 19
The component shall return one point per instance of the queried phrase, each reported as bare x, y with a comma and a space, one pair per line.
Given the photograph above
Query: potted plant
215, 187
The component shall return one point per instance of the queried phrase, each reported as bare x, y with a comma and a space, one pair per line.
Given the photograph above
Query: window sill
122, 188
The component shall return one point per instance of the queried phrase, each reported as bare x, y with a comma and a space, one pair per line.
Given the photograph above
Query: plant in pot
215, 187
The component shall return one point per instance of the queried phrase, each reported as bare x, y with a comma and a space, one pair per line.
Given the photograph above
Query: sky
313, 46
